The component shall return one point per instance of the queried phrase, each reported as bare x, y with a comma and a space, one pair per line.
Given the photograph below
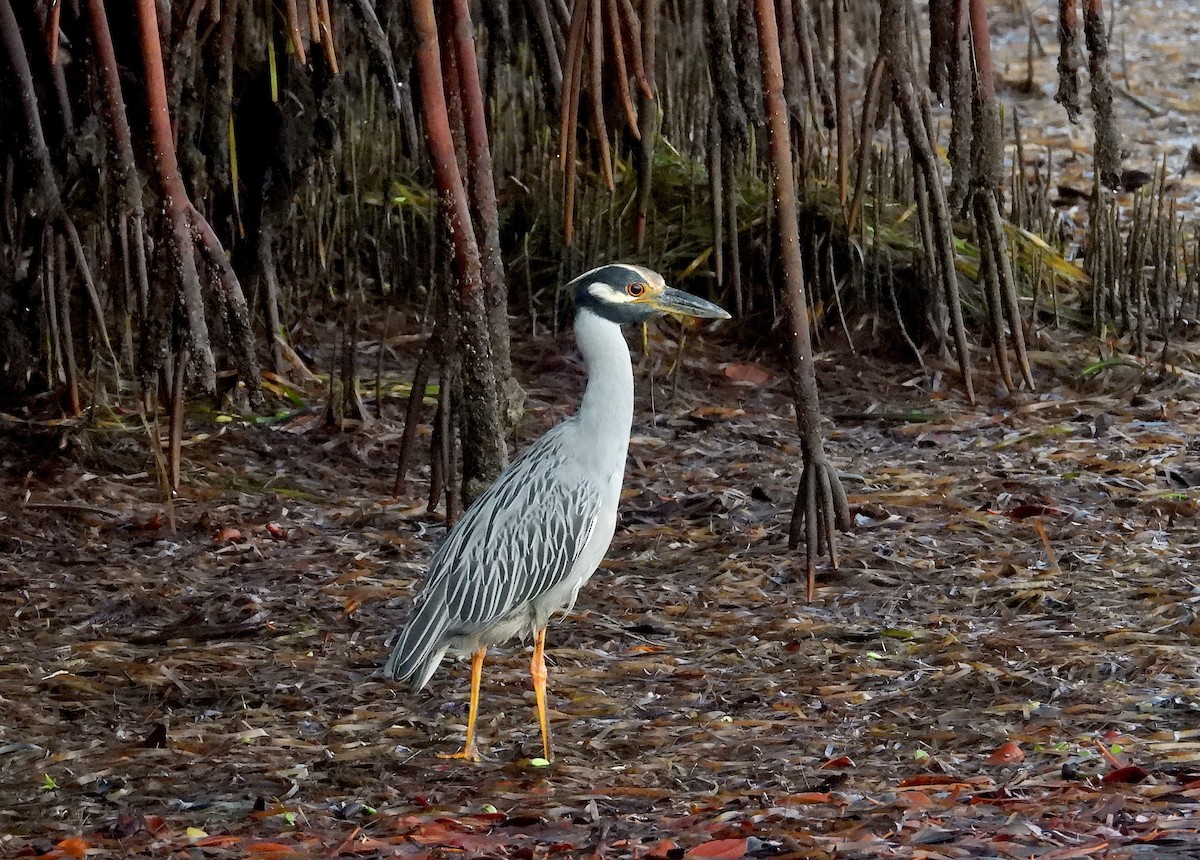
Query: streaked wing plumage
519, 540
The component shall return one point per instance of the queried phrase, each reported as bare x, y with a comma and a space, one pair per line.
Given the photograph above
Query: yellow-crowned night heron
528, 544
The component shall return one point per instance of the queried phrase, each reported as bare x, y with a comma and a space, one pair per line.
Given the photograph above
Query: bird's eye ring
636, 289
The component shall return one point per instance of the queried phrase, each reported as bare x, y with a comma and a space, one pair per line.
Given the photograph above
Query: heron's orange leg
469, 751
537, 669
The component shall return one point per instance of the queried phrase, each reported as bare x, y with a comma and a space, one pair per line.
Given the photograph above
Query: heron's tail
420, 646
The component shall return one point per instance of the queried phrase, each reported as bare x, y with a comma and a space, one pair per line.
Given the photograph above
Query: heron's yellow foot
467, 753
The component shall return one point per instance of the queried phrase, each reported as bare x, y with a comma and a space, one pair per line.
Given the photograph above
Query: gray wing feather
519, 540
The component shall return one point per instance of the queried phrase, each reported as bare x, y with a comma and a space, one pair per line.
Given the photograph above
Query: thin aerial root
812, 522
827, 508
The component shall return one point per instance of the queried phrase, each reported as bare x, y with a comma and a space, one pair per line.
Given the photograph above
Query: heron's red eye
636, 289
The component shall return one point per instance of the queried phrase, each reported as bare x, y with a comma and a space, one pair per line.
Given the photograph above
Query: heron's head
624, 293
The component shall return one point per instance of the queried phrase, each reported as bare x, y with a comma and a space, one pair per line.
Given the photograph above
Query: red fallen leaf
363, 845
720, 849
1130, 774
1006, 753
811, 797
151, 525
478, 845
218, 841
275, 530
751, 374
434, 833
1021, 512
73, 847
662, 848
840, 761
913, 799
269, 848
406, 823
227, 535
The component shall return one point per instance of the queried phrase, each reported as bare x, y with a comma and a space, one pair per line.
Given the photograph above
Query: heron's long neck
606, 412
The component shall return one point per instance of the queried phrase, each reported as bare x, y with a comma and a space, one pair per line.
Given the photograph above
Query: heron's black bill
674, 301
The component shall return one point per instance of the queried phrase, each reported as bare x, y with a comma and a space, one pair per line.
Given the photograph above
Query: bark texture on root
483, 451
1108, 137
